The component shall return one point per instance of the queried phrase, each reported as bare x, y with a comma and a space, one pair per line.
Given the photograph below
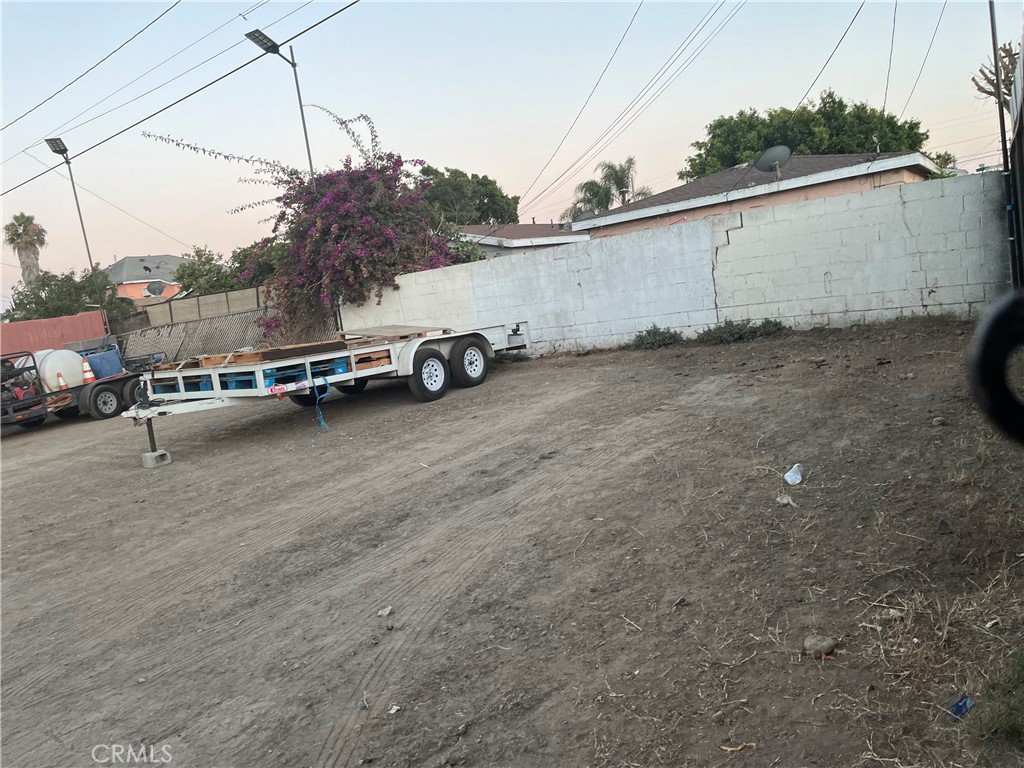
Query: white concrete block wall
592, 294
915, 249
924, 248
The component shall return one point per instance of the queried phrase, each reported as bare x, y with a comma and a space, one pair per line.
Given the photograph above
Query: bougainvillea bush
348, 239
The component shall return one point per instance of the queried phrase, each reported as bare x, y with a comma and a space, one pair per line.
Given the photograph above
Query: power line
892, 47
581, 159
925, 60
90, 69
829, 59
158, 87
183, 98
113, 205
589, 96
617, 131
574, 166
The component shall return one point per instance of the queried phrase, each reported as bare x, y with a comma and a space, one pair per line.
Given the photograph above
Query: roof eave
915, 160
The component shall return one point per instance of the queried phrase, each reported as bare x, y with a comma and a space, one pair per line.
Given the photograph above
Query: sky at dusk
486, 87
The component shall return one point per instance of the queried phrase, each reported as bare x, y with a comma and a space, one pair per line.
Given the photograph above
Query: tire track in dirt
341, 743
169, 589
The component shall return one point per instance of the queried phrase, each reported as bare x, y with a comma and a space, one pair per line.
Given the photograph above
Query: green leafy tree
614, 186
53, 295
462, 199
205, 272
832, 126
26, 237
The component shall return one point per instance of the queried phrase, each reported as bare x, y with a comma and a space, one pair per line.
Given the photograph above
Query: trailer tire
130, 394
306, 400
430, 375
105, 402
469, 362
353, 387
68, 412
32, 423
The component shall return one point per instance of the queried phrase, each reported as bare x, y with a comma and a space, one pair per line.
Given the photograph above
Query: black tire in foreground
32, 423
431, 375
105, 401
469, 362
68, 412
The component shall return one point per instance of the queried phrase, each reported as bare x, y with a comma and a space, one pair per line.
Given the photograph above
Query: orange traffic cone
60, 381
88, 377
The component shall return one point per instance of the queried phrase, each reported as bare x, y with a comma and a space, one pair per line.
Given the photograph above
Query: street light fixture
58, 147
269, 46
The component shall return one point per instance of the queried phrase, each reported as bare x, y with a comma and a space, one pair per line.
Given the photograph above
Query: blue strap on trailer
322, 425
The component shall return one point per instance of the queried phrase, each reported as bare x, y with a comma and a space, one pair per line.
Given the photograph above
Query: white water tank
68, 364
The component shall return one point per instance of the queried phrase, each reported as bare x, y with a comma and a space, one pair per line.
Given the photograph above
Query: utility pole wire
183, 98
829, 59
90, 69
892, 47
925, 60
585, 103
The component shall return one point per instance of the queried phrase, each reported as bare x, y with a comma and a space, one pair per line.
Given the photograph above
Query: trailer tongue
430, 358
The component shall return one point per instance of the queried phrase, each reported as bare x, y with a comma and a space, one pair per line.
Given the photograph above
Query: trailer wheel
32, 423
105, 402
307, 400
353, 387
430, 375
68, 412
469, 362
131, 394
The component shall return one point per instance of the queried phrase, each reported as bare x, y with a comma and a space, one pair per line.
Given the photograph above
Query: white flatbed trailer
430, 358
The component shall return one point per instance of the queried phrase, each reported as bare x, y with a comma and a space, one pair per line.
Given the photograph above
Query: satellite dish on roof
773, 158
154, 289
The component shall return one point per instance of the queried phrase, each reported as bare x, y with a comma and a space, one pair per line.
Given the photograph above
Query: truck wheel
430, 375
307, 400
105, 402
32, 423
469, 362
68, 412
353, 387
132, 394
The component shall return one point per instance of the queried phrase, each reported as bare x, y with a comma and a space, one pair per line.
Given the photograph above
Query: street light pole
58, 148
268, 45
302, 114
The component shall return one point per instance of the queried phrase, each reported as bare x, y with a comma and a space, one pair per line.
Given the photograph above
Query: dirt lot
585, 559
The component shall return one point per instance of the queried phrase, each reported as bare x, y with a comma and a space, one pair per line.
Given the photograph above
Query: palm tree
616, 185
26, 238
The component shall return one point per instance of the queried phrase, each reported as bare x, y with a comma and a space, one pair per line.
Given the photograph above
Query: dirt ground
585, 560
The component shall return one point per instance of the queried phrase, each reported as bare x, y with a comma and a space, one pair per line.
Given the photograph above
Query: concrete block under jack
156, 459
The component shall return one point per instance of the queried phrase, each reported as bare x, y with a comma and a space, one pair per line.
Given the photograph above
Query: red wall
54, 333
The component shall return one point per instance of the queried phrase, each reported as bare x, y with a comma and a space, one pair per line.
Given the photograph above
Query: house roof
523, 235
746, 181
136, 269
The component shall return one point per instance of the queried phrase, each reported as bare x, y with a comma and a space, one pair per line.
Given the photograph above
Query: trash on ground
891, 614
960, 708
394, 708
938, 421
993, 623
384, 611
875, 627
738, 747
795, 475
785, 501
944, 528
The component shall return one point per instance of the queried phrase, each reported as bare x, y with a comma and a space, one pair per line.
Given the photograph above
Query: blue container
105, 364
